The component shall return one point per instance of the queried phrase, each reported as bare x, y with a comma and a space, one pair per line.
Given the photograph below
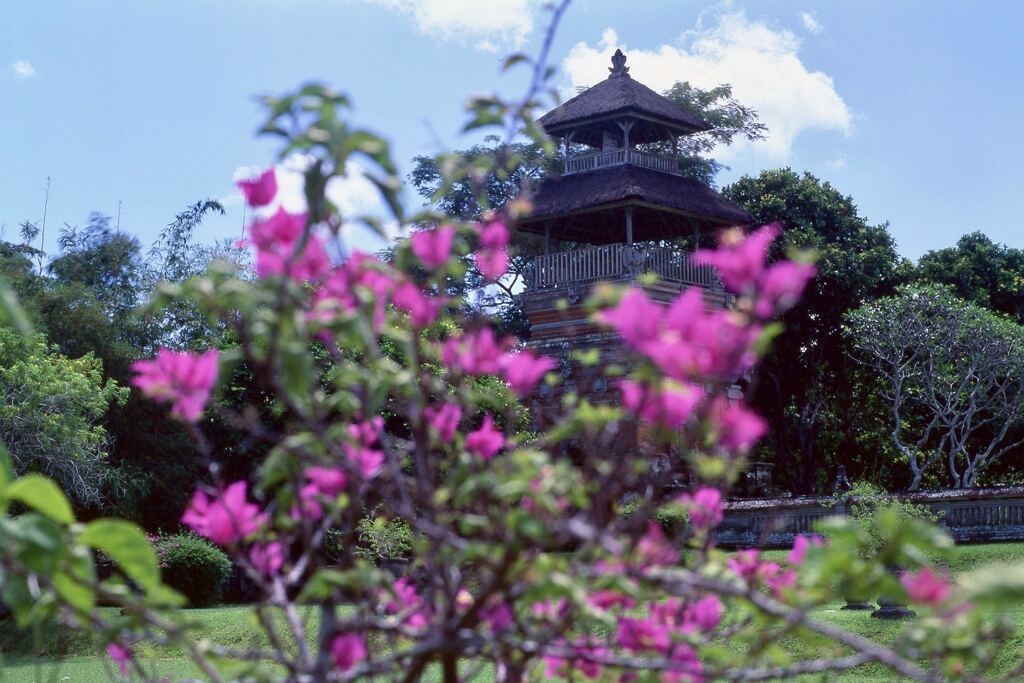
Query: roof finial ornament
619, 67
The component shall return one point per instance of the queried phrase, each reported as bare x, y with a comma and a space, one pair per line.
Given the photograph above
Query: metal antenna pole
42, 232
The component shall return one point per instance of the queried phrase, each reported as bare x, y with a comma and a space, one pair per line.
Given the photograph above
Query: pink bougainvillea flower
705, 614
422, 308
642, 635
740, 262
364, 455
494, 235
474, 353
746, 564
636, 318
407, 601
498, 617
323, 482
433, 247
738, 427
523, 370
800, 545
329, 480
696, 343
688, 668
780, 580
121, 655
347, 650
654, 549
486, 441
277, 239
780, 286
185, 379
563, 669
610, 599
926, 587
226, 519
340, 292
551, 609
267, 558
492, 263
670, 407
309, 503
492, 257
444, 420
705, 508
260, 191
670, 612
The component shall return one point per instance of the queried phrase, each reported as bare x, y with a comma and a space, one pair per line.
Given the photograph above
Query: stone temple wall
969, 515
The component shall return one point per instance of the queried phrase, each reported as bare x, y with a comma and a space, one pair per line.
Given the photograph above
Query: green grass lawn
62, 656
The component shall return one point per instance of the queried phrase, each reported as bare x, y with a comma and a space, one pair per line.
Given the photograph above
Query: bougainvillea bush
520, 562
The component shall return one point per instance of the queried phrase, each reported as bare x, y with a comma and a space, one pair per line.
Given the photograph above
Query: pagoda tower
619, 209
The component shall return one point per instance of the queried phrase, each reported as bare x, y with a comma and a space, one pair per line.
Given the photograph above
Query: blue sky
912, 107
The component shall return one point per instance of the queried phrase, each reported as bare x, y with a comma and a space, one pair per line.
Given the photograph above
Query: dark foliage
807, 387
194, 567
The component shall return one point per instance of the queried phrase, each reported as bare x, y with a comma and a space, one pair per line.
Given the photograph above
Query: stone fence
969, 515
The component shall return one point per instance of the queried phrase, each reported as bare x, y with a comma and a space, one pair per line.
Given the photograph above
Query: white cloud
353, 194
761, 63
811, 22
837, 162
492, 24
23, 69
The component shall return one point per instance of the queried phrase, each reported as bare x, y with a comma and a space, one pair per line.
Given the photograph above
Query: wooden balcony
615, 157
565, 269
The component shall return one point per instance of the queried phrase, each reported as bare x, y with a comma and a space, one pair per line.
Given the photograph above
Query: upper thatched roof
588, 207
594, 109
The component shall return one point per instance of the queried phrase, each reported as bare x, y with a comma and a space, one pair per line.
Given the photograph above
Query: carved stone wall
970, 516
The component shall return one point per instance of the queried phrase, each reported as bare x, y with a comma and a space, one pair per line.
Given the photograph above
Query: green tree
90, 306
953, 376
730, 120
805, 385
980, 271
50, 415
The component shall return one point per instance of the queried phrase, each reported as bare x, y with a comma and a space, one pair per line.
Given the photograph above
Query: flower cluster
692, 343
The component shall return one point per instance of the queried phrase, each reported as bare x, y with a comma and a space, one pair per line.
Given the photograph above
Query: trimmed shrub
194, 567
672, 518
384, 539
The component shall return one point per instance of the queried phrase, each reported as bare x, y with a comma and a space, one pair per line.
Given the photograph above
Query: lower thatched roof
589, 206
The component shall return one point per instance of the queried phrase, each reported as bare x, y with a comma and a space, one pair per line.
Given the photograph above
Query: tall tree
804, 386
730, 121
51, 408
980, 271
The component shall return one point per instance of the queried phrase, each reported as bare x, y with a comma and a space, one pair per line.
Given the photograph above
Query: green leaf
127, 545
43, 496
1000, 586
16, 594
77, 594
6, 475
11, 312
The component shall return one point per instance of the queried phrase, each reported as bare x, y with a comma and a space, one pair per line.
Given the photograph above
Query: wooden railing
617, 262
615, 157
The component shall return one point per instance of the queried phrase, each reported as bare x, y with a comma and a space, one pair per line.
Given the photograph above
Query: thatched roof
589, 207
592, 111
